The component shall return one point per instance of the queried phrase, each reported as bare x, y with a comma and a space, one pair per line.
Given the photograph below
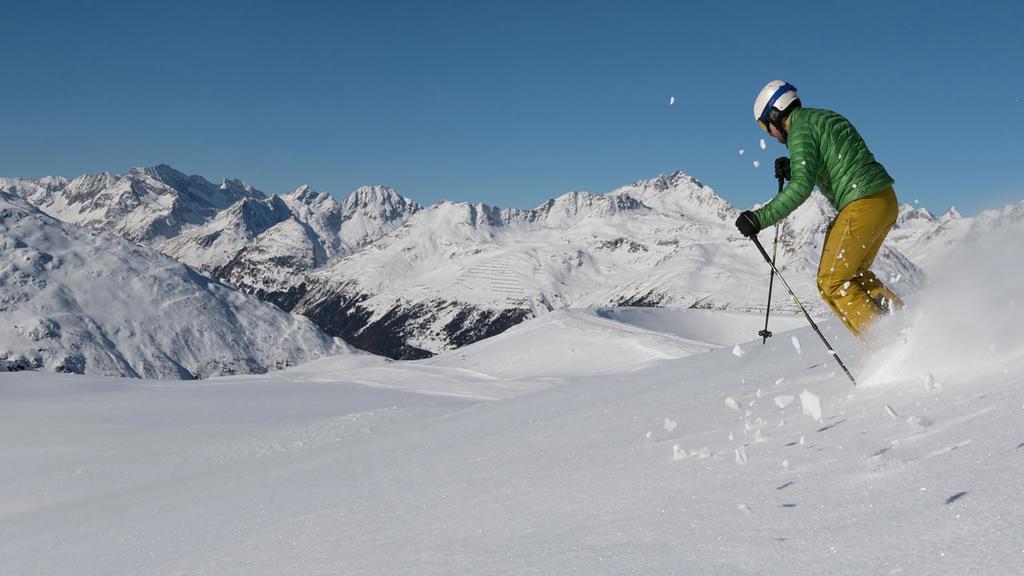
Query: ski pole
802, 309
766, 333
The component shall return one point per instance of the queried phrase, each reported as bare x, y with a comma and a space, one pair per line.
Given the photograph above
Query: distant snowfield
550, 350
578, 343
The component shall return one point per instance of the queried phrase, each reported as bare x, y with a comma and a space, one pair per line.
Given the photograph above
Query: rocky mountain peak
306, 197
576, 205
679, 193
379, 203
911, 216
951, 214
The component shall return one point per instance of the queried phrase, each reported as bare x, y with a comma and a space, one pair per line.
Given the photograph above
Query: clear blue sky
509, 103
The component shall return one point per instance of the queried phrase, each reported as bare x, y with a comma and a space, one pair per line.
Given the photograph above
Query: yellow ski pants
853, 240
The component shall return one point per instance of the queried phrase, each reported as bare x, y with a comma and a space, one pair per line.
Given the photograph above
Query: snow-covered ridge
145, 204
575, 205
680, 194
214, 244
1005, 217
913, 217
76, 300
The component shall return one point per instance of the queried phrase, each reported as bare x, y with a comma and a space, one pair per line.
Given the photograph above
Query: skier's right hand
748, 224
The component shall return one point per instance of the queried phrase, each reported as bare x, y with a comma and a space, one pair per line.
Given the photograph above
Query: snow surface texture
74, 300
672, 464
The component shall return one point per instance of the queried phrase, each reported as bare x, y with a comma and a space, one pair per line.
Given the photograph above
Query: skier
826, 150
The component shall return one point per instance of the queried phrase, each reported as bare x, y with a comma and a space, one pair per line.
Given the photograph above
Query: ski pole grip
782, 170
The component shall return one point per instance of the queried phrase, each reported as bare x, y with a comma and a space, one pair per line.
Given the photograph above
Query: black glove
782, 168
747, 224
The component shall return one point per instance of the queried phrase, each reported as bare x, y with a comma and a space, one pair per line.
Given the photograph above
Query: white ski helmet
774, 100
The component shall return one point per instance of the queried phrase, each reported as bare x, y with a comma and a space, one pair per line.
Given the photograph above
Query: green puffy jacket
825, 150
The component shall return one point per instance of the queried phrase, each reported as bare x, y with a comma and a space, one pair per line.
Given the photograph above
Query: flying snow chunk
784, 400
757, 163
671, 100
678, 453
763, 146
737, 351
742, 151
810, 404
741, 456
796, 344
731, 403
670, 424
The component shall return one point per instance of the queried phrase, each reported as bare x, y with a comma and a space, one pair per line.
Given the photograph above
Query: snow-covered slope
274, 265
212, 245
75, 300
747, 459
586, 342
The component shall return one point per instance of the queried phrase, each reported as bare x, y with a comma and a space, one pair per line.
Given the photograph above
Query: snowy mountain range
455, 273
406, 281
79, 300
144, 205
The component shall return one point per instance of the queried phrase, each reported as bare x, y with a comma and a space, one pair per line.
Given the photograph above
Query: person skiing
826, 150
